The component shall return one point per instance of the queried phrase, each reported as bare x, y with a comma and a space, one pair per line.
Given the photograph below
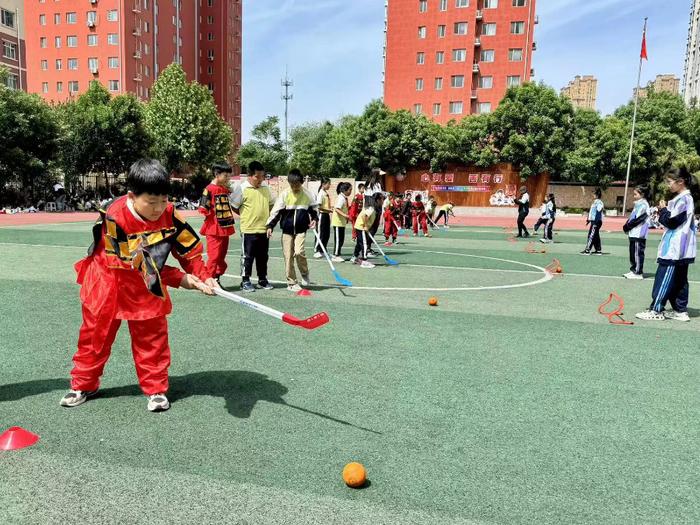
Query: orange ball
559, 269
354, 475
433, 301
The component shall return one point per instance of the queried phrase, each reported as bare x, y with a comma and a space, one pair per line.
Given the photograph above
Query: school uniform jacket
637, 226
294, 211
679, 243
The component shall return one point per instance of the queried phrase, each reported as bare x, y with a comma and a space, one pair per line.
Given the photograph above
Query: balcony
138, 78
136, 31
473, 94
479, 15
475, 67
137, 55
477, 42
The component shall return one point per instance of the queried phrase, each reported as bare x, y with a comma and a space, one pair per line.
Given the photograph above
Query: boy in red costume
391, 232
125, 278
419, 216
358, 203
218, 222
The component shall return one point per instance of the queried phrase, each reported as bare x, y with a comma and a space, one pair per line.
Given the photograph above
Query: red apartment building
12, 46
124, 44
451, 58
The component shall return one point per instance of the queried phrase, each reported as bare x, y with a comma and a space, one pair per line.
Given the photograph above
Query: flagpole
634, 118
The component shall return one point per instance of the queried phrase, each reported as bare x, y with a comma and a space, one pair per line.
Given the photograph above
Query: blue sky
333, 51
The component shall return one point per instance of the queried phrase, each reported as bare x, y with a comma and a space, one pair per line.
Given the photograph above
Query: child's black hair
553, 201
643, 191
325, 180
295, 177
255, 166
221, 167
419, 198
682, 173
361, 187
343, 187
598, 193
148, 176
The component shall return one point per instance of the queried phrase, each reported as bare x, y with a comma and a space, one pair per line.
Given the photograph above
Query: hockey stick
313, 322
401, 231
390, 261
340, 280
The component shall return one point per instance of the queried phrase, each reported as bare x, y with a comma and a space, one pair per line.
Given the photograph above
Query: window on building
461, 28
513, 81
210, 54
44, 87
418, 109
146, 49
146, 27
485, 82
7, 18
9, 50
113, 62
457, 81
419, 84
57, 19
12, 81
57, 42
93, 64
423, 6
59, 64
114, 85
210, 70
438, 83
462, 3
519, 3
440, 57
44, 65
59, 87
488, 55
147, 71
517, 28
43, 42
210, 20
456, 107
483, 107
443, 5
73, 86
422, 32
92, 40
515, 55
72, 41
420, 58
42, 20
490, 4
210, 36
437, 108
459, 55
112, 15
210, 3
73, 64
92, 17
442, 31
488, 29
113, 39
71, 18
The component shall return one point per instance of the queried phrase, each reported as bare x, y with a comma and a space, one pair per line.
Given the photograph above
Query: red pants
217, 247
390, 229
149, 346
423, 223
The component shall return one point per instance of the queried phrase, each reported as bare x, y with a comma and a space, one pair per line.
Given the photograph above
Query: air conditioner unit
93, 1
93, 70
91, 23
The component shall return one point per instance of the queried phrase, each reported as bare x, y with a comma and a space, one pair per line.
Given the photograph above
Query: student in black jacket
523, 203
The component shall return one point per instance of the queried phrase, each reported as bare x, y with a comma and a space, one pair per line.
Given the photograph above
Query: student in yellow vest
324, 219
295, 209
340, 218
364, 224
251, 200
445, 211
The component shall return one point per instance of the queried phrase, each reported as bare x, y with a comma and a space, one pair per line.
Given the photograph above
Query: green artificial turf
500, 406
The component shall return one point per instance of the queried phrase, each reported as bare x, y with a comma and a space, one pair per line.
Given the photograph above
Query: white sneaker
305, 281
318, 255
633, 276
353, 259
158, 403
76, 397
366, 264
294, 288
650, 315
677, 316
337, 259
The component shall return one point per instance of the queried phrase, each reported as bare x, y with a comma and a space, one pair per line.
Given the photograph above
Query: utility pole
286, 96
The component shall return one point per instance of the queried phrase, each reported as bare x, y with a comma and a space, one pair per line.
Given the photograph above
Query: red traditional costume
390, 229
419, 216
358, 202
218, 226
125, 278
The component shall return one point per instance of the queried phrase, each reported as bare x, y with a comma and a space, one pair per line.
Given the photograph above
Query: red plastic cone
304, 293
15, 438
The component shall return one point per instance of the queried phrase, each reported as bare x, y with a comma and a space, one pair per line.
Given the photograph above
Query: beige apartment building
582, 91
662, 84
13, 52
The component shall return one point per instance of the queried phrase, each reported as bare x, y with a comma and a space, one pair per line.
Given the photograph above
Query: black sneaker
597, 253
265, 285
585, 252
247, 286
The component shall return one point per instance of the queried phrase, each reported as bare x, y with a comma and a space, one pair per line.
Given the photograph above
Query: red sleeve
171, 276
193, 264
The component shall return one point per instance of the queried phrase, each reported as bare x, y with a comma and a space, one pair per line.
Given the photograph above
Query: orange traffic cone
15, 438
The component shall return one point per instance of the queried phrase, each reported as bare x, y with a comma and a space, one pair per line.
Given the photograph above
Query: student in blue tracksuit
677, 250
550, 214
637, 228
595, 222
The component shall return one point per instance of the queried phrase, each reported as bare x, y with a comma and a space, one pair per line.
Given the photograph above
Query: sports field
513, 401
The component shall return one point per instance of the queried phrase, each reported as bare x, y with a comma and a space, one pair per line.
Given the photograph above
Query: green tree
265, 146
468, 141
182, 118
532, 129
308, 146
29, 138
665, 109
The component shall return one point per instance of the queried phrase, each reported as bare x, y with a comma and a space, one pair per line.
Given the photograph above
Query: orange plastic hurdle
615, 315
555, 267
533, 248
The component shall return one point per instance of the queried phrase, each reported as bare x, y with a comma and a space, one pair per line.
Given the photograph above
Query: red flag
644, 46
